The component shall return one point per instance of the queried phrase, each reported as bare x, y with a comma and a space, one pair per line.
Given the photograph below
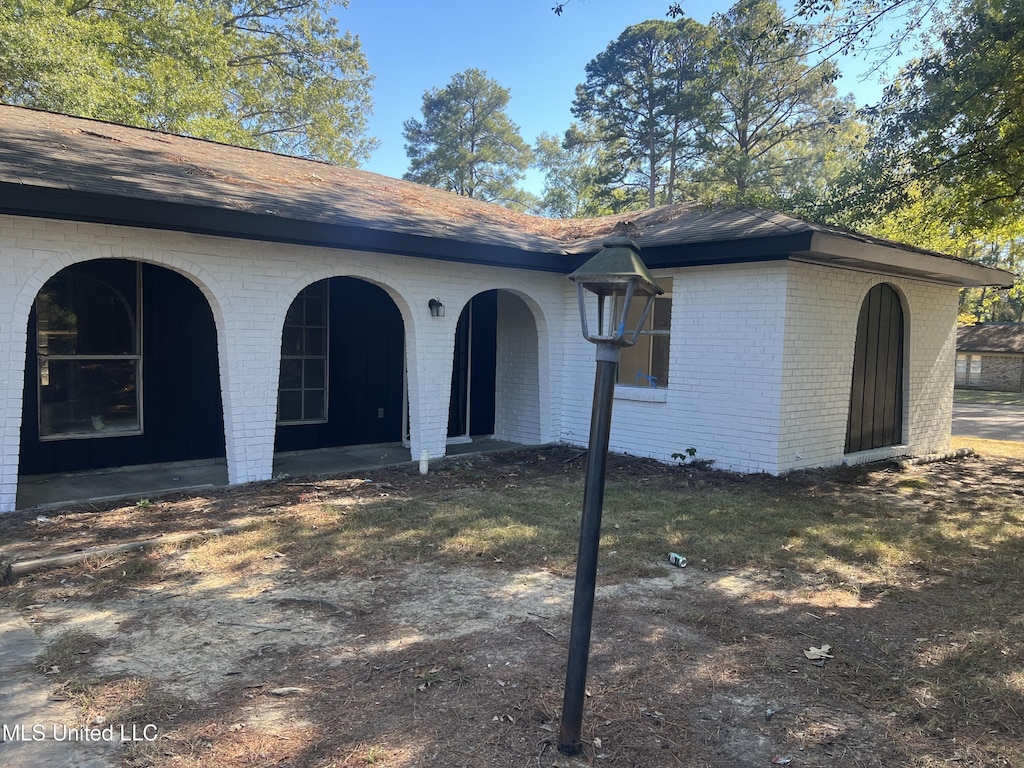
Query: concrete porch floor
46, 491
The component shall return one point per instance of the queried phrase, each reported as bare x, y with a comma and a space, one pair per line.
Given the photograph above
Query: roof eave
72, 205
854, 253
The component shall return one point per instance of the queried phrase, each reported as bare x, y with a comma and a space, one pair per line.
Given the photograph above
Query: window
302, 392
88, 349
968, 370
646, 364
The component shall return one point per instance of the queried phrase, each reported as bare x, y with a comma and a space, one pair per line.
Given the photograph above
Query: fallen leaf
286, 691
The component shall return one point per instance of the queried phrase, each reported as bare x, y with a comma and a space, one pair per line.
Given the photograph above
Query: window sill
641, 394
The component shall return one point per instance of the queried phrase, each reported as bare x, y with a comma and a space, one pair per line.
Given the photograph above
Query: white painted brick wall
249, 286
724, 374
517, 381
821, 330
759, 377
762, 359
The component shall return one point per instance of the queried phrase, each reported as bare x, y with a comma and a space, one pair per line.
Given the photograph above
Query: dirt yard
257, 648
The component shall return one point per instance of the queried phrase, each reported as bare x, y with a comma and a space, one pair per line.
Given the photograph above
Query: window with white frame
646, 364
302, 391
968, 370
89, 352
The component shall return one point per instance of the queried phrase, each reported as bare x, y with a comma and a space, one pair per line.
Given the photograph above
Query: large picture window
88, 348
646, 363
302, 392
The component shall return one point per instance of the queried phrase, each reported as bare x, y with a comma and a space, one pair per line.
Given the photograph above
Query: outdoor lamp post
618, 279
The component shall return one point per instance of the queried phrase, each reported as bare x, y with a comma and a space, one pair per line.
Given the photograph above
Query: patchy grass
913, 577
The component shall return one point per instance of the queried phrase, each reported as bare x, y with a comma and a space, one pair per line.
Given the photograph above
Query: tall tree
953, 126
773, 114
466, 142
575, 175
261, 73
644, 94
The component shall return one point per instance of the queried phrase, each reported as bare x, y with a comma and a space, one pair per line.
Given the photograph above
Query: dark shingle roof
991, 337
73, 168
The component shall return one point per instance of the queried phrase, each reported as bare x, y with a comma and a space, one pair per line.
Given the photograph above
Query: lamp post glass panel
616, 278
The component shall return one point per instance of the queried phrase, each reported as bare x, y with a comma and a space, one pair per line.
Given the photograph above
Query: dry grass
912, 577
1004, 448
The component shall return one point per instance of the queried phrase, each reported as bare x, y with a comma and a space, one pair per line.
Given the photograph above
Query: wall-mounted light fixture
436, 308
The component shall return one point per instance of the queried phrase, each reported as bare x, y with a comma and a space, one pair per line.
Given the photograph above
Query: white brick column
430, 346
12, 378
23, 271
250, 359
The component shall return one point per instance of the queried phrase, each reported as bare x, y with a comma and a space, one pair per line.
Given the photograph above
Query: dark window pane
316, 342
662, 314
289, 405
659, 359
88, 397
81, 315
291, 343
303, 395
316, 311
315, 377
291, 374
313, 401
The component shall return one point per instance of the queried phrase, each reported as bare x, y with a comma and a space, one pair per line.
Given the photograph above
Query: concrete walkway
42, 491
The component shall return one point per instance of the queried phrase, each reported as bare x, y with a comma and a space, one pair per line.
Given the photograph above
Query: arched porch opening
121, 369
495, 372
342, 378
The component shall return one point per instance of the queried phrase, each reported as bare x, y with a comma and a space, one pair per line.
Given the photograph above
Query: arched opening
495, 372
876, 393
121, 370
471, 409
342, 374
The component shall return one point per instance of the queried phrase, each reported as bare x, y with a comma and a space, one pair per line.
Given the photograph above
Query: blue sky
415, 45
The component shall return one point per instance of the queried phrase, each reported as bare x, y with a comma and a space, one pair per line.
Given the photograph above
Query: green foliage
771, 132
572, 166
257, 73
729, 112
952, 126
644, 95
466, 142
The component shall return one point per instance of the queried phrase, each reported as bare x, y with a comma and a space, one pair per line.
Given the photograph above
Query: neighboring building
164, 299
990, 356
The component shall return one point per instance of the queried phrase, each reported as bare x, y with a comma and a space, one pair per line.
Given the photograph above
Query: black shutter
876, 392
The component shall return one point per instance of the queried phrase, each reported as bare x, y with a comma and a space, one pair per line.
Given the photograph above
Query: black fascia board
71, 205
717, 252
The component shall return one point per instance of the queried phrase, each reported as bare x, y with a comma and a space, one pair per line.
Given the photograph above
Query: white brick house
164, 299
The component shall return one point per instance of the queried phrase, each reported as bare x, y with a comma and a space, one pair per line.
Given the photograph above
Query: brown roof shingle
69, 167
991, 337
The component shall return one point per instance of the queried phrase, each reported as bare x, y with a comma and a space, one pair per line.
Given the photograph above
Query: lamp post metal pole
586, 561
